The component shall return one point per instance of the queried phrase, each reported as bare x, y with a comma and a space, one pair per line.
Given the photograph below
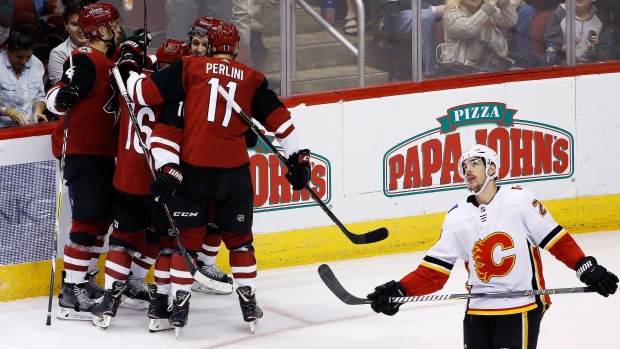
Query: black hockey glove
251, 139
136, 42
300, 169
166, 183
596, 276
381, 297
66, 98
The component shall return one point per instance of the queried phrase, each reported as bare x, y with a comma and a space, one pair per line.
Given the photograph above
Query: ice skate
93, 289
106, 308
136, 295
180, 311
219, 281
74, 303
159, 311
249, 309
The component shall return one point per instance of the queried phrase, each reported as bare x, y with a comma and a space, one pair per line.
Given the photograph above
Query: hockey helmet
171, 51
202, 26
488, 155
224, 39
94, 15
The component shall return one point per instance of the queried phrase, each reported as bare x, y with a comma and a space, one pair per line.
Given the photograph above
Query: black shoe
249, 309
180, 309
74, 303
258, 51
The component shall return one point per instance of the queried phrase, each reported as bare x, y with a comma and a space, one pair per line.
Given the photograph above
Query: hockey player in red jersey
90, 150
220, 283
135, 211
508, 219
202, 156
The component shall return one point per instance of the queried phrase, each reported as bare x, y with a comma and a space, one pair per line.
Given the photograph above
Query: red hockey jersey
132, 174
92, 122
208, 132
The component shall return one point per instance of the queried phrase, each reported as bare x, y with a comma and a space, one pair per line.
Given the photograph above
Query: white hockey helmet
488, 155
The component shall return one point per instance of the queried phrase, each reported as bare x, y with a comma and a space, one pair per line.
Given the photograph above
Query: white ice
300, 312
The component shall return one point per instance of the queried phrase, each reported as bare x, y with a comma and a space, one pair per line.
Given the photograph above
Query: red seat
538, 24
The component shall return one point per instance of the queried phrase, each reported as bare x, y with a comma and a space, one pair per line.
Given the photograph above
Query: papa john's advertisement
428, 161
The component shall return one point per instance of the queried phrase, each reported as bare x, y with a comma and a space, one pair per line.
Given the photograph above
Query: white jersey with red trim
500, 244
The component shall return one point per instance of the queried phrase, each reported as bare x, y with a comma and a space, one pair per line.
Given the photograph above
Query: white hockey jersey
500, 244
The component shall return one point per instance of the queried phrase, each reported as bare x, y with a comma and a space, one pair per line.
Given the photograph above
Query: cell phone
591, 33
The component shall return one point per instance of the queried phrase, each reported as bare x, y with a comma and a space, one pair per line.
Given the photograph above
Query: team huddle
198, 148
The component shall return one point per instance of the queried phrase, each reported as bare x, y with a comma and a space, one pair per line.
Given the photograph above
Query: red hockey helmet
202, 26
224, 39
95, 15
171, 51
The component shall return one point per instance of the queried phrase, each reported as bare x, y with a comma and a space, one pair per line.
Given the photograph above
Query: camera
591, 33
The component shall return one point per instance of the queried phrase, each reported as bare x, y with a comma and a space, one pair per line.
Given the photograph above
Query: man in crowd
76, 39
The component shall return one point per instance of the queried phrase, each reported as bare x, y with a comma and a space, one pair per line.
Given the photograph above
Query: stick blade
368, 238
329, 279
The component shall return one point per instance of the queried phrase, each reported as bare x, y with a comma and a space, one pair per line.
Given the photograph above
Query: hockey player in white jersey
498, 232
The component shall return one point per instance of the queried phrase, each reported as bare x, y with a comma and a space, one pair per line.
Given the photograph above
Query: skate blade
102, 323
159, 325
70, 314
212, 287
133, 304
253, 326
177, 330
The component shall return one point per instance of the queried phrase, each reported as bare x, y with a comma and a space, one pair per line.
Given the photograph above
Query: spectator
76, 39
6, 15
181, 12
472, 25
400, 25
522, 28
22, 97
593, 38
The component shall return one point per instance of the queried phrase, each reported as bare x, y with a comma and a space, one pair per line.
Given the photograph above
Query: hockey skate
93, 289
180, 311
250, 310
219, 281
136, 295
106, 308
159, 311
74, 302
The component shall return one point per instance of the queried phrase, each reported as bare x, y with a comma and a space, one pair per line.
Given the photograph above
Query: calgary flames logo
482, 253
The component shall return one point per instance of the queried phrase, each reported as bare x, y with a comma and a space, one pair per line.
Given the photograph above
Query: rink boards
387, 161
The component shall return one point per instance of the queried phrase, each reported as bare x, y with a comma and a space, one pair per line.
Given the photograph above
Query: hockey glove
596, 276
66, 98
251, 139
166, 183
299, 174
127, 63
381, 297
136, 42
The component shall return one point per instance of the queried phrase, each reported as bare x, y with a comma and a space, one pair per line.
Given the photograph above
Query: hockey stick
175, 231
144, 55
366, 238
59, 184
337, 289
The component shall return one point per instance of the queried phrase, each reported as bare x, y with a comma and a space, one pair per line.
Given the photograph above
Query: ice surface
300, 312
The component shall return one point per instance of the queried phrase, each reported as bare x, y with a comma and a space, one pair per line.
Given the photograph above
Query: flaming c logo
482, 252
